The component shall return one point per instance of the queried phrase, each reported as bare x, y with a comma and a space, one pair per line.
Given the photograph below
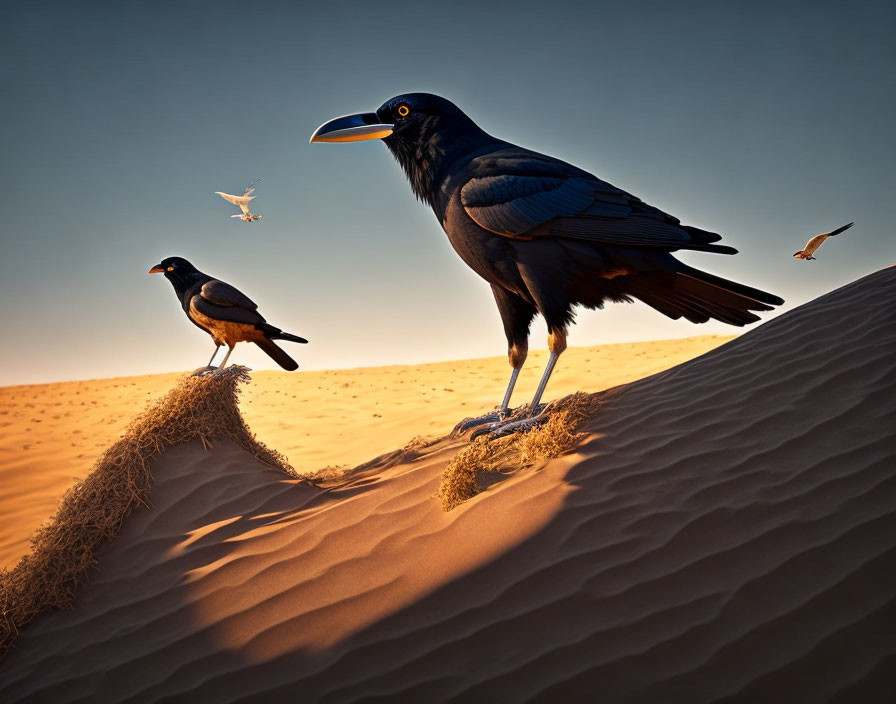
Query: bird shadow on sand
727, 535
725, 531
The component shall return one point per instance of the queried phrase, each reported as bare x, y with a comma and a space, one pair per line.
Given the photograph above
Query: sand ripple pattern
726, 533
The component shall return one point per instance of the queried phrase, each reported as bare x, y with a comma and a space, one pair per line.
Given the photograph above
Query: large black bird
545, 234
224, 312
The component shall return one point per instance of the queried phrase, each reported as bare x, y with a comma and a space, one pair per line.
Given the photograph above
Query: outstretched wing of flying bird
240, 201
814, 243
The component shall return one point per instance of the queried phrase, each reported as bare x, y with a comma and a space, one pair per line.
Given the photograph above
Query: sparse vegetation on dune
462, 478
206, 408
92, 511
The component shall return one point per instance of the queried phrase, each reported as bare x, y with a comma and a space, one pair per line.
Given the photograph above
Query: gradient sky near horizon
768, 122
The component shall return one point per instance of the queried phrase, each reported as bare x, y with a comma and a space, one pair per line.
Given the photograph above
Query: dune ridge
91, 513
726, 531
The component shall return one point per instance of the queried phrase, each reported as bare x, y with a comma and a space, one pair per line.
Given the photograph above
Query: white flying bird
816, 241
242, 202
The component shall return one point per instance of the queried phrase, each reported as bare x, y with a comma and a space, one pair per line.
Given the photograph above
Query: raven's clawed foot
500, 429
205, 371
493, 418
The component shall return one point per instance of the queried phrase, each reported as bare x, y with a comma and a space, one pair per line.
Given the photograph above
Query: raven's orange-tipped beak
352, 128
157, 269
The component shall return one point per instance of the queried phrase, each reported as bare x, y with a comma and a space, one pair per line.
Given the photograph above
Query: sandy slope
51, 434
726, 532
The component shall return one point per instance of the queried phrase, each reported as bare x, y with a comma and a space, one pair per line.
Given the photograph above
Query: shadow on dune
91, 513
726, 533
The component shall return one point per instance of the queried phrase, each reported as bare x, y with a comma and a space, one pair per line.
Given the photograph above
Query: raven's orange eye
403, 110
170, 268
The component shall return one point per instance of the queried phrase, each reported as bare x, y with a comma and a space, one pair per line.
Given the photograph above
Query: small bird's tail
840, 229
278, 355
277, 334
698, 296
289, 338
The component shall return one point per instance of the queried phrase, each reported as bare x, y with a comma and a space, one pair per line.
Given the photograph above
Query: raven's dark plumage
545, 234
223, 311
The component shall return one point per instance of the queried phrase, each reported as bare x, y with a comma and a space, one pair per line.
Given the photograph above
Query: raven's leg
539, 267
516, 314
556, 345
217, 347
517, 357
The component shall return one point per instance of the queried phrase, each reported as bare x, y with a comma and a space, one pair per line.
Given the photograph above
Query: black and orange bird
224, 312
543, 233
814, 243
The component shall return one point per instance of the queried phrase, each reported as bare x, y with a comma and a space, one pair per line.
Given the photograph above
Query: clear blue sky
768, 122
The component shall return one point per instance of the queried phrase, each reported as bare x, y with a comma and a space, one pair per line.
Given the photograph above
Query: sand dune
51, 434
725, 532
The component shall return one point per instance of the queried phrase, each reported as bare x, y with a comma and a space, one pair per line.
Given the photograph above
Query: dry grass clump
92, 511
559, 434
461, 479
330, 474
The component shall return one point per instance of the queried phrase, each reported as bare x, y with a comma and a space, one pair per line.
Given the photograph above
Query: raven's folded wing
521, 194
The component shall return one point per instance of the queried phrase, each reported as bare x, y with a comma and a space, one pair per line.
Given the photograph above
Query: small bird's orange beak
157, 269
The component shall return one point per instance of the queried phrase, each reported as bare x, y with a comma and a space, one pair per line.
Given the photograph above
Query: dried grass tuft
462, 478
92, 512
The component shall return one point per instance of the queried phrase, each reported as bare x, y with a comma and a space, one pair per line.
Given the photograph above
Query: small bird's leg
217, 347
556, 345
226, 357
208, 368
516, 355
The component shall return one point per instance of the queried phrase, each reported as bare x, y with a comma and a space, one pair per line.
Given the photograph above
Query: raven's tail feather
698, 296
732, 286
278, 355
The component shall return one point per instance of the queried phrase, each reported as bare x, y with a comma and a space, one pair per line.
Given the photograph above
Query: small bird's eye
170, 268
403, 110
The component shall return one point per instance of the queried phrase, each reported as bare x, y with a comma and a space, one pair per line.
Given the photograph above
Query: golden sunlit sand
724, 529
53, 433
